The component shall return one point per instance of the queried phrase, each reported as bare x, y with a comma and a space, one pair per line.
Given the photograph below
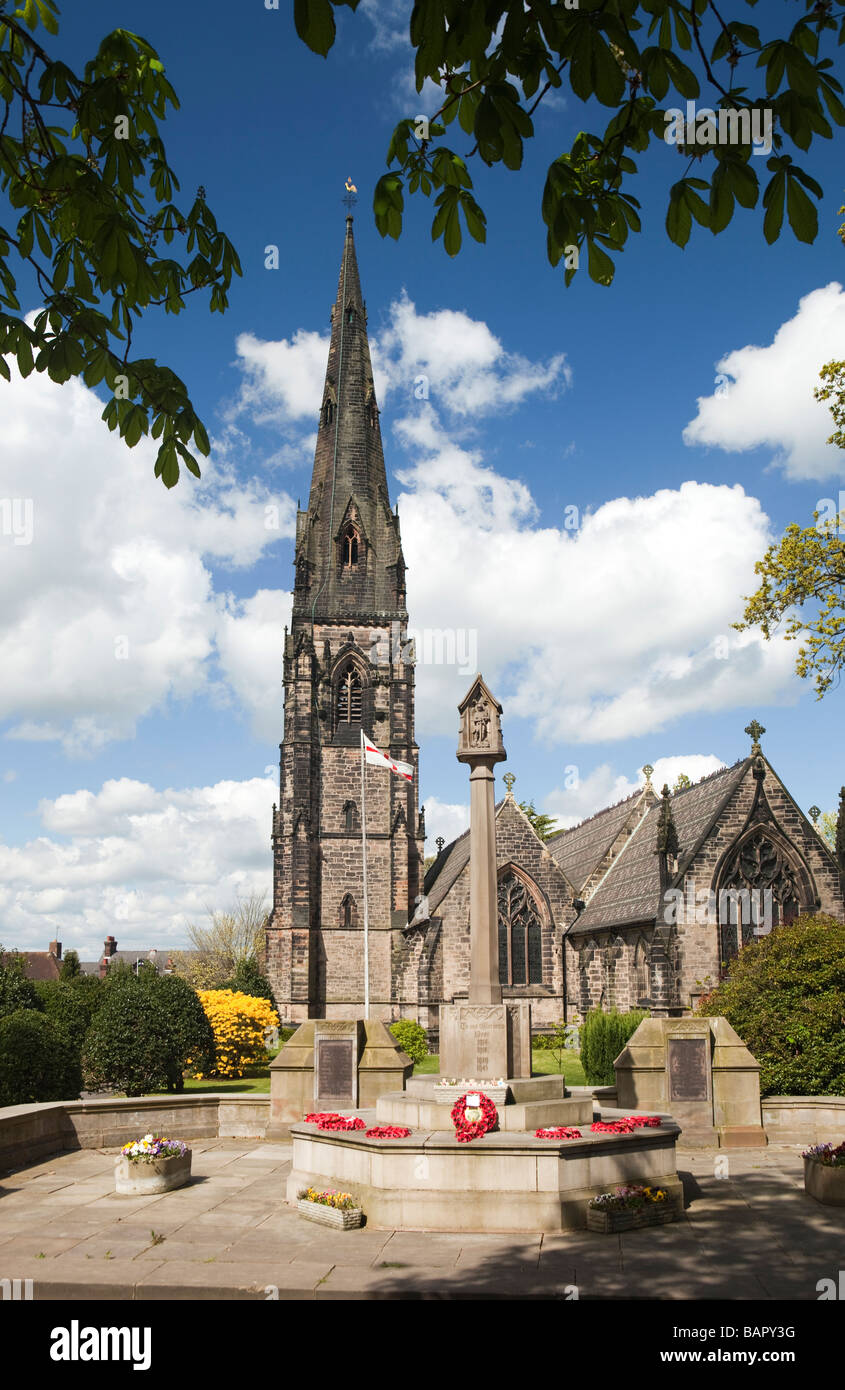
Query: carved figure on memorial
480, 721
480, 734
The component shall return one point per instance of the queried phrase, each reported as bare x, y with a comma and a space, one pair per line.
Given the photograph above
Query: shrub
128, 1044
285, 1035
71, 1009
190, 1036
785, 996
37, 1060
70, 968
248, 979
603, 1037
16, 991
412, 1038
239, 1022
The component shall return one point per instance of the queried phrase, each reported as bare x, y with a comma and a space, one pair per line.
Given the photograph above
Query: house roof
41, 965
630, 890
579, 850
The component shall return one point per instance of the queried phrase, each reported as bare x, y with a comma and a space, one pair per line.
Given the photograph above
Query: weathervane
350, 199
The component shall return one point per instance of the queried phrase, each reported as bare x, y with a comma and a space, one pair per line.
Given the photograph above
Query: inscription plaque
335, 1068
688, 1069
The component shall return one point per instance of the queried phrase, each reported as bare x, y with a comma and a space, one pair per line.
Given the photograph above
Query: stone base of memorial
339, 1218
143, 1179
824, 1182
332, 1064
502, 1182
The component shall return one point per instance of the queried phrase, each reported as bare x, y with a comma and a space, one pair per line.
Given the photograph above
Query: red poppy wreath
472, 1121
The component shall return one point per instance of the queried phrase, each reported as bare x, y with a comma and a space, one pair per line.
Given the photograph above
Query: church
641, 905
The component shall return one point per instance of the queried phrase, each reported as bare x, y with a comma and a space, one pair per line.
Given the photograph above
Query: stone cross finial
440, 842
755, 730
509, 780
647, 771
814, 814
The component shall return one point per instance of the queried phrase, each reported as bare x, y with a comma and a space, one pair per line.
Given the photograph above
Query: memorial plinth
334, 1064
700, 1071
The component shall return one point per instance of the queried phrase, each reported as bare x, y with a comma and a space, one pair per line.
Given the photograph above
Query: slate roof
447, 867
630, 891
578, 850
40, 965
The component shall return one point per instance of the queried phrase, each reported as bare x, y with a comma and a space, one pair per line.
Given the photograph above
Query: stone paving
751, 1234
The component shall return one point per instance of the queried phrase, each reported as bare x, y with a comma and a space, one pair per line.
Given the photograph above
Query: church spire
348, 553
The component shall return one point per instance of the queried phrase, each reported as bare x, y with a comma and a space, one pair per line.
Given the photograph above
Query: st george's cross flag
372, 755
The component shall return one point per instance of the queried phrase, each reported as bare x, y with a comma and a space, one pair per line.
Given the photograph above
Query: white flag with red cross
378, 759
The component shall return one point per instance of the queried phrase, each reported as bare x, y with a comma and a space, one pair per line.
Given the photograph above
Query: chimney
109, 946
55, 949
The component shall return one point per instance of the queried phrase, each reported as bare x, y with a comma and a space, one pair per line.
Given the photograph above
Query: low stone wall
804, 1119
32, 1132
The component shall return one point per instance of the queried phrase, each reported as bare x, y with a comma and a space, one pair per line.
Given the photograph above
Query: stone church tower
346, 666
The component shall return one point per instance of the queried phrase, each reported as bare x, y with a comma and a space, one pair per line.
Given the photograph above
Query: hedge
603, 1037
37, 1060
411, 1037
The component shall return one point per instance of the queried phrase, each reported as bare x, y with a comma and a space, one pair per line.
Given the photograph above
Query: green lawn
258, 1082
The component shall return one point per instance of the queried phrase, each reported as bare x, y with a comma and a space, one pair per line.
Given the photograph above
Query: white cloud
603, 633
136, 862
111, 610
446, 819
250, 639
604, 787
465, 367
769, 397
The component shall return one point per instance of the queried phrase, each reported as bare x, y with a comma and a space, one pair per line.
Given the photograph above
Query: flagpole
366, 904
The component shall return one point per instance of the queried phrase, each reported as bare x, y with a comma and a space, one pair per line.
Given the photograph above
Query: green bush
785, 996
16, 991
248, 980
171, 1021
542, 1041
128, 1044
603, 1037
285, 1035
71, 1009
411, 1037
189, 1032
37, 1061
70, 967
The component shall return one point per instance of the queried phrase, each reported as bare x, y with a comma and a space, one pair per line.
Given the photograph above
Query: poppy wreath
388, 1132
465, 1129
558, 1132
627, 1125
330, 1120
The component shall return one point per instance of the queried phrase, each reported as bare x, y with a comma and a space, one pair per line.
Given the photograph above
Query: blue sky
140, 632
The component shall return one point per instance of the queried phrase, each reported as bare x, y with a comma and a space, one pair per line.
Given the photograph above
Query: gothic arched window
349, 809
348, 911
520, 934
640, 972
328, 411
349, 692
350, 548
759, 890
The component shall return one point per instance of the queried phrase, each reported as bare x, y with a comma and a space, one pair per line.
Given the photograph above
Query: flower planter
608, 1222
143, 1179
825, 1182
341, 1218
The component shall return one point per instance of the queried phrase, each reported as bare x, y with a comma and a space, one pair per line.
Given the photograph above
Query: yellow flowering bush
239, 1022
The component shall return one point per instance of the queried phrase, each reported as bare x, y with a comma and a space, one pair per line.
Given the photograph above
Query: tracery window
520, 934
759, 890
349, 697
350, 545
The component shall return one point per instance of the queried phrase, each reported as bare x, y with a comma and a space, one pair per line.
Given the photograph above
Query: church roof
630, 890
349, 480
579, 850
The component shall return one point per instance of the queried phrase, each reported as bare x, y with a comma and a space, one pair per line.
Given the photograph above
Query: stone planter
632, 1218
825, 1183
342, 1219
144, 1179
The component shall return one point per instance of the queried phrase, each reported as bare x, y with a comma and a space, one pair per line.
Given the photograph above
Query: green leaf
600, 265
773, 199
315, 25
803, 216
